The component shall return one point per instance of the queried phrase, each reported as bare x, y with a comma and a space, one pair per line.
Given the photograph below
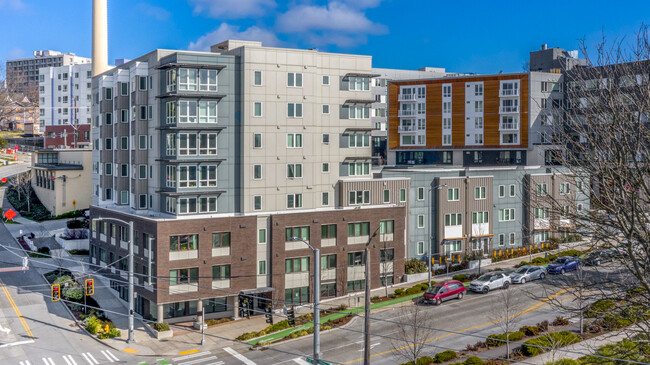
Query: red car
444, 290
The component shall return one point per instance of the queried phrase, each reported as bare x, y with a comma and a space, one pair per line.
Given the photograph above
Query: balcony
406, 113
406, 97
406, 128
512, 126
509, 92
504, 109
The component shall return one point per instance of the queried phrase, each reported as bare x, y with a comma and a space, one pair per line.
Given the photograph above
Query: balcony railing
509, 126
509, 92
406, 128
509, 109
406, 97
406, 113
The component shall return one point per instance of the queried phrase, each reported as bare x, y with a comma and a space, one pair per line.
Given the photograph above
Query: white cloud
363, 4
336, 23
232, 8
12, 4
154, 11
227, 31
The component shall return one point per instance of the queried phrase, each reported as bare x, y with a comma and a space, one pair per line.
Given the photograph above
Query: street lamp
316, 298
430, 224
131, 339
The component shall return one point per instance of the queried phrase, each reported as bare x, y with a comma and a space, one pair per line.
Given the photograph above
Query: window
386, 227
257, 109
297, 295
446, 139
446, 91
124, 143
221, 239
257, 140
478, 90
509, 138
257, 172
446, 107
142, 142
420, 221
326, 80
502, 239
294, 140
359, 140
184, 276
453, 219
359, 83
478, 122
541, 189
187, 144
184, 242
325, 198
579, 207
356, 258
294, 170
299, 232
328, 231
386, 255
502, 191
328, 262
564, 188
187, 111
207, 111
453, 194
326, 109
386, 196
171, 176
359, 197
446, 123
294, 110
294, 201
506, 215
512, 190
359, 168
261, 235
326, 138
124, 170
261, 267
480, 217
541, 213
108, 119
221, 272
208, 176
478, 106
402, 195
186, 205
358, 229
208, 144
187, 177
478, 138
294, 79
479, 192
358, 112
325, 167
453, 246
108, 93
207, 80
207, 204
257, 202
257, 78
420, 248
420, 193
296, 264
187, 79
142, 173
170, 112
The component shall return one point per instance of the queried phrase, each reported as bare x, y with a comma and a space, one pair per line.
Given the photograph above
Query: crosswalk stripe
48, 361
26, 362
65, 357
217, 363
89, 357
198, 360
107, 357
238, 356
191, 356
113, 356
300, 361
69, 359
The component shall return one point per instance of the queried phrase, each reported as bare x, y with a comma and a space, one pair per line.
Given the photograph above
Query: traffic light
90, 286
291, 316
268, 313
56, 292
243, 308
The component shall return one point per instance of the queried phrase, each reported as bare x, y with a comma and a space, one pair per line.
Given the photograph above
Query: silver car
528, 273
490, 281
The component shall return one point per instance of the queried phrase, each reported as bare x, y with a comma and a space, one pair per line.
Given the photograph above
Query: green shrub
444, 356
540, 260
473, 360
553, 339
247, 336
160, 327
73, 293
530, 330
560, 321
414, 266
424, 360
500, 339
399, 292
214, 321
112, 333
598, 308
93, 325
413, 290
564, 362
460, 277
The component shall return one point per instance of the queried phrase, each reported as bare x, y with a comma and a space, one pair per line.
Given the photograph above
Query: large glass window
296, 264
296, 295
187, 111
187, 177
207, 80
184, 242
184, 276
300, 232
358, 229
356, 258
208, 144
328, 231
187, 79
187, 144
386, 227
208, 176
220, 272
207, 111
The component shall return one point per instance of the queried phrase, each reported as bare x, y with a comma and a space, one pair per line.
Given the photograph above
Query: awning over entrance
256, 291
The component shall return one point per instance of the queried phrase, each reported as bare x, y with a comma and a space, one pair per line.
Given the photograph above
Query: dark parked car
563, 264
444, 290
597, 257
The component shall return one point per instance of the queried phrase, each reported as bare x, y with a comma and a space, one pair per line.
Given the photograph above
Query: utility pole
366, 324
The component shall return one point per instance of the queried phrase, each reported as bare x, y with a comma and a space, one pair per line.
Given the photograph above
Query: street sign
320, 362
74, 203
10, 214
4, 180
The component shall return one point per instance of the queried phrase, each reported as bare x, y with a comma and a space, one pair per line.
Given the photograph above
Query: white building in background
65, 94
23, 73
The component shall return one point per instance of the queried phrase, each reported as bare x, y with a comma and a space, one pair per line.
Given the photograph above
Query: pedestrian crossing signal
56, 292
90, 287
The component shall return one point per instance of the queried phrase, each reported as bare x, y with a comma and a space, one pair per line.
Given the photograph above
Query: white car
490, 281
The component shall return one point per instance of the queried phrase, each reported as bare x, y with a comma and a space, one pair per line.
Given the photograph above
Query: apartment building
220, 159
65, 98
22, 74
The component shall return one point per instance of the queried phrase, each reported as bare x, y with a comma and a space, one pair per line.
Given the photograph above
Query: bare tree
23, 185
603, 136
413, 331
506, 313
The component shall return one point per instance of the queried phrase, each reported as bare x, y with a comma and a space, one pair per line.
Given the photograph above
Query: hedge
500, 339
460, 277
536, 346
444, 356
473, 360
424, 360
598, 308
160, 327
564, 362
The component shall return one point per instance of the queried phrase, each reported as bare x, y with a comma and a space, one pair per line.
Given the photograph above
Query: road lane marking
48, 361
191, 362
106, 355
188, 352
89, 357
193, 354
69, 360
371, 346
533, 308
301, 361
238, 356
5, 330
13, 305
26, 362
111, 355
217, 363
11, 344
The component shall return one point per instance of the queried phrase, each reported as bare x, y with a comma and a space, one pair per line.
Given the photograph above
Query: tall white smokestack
100, 37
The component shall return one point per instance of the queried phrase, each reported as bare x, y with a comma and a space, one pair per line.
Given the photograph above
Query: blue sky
462, 36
